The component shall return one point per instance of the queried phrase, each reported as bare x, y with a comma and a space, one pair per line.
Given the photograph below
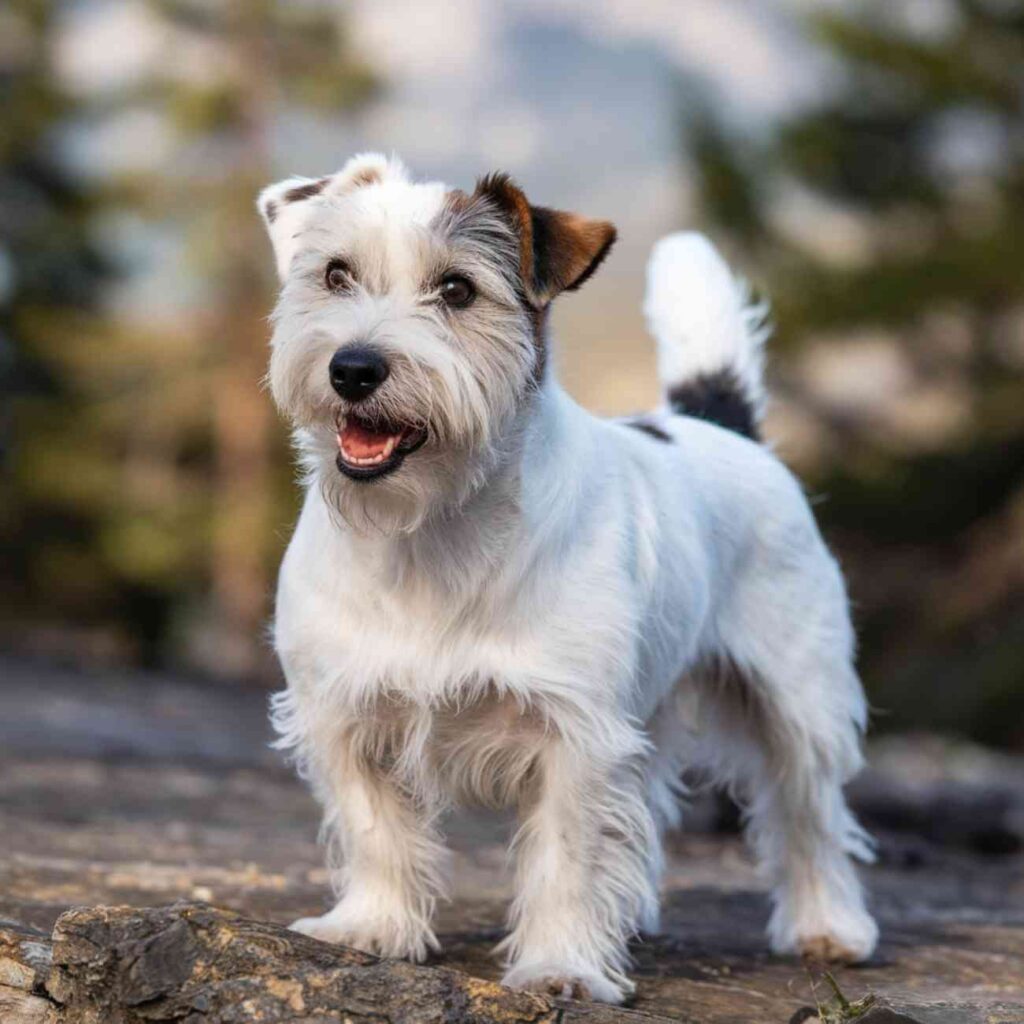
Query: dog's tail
710, 335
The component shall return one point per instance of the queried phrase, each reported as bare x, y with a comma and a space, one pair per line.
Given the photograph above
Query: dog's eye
338, 276
457, 291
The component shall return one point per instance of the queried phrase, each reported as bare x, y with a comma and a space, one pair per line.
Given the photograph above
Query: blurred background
863, 165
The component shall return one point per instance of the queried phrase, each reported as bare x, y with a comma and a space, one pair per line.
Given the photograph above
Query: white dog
493, 595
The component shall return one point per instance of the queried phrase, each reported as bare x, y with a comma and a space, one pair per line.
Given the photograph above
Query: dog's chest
488, 753
560, 628
483, 752
434, 649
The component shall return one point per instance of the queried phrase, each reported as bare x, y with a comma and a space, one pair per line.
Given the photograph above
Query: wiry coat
541, 608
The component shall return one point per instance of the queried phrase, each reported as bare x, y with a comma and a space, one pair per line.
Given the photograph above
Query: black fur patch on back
719, 398
652, 429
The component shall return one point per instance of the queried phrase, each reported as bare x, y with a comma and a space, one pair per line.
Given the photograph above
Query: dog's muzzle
367, 448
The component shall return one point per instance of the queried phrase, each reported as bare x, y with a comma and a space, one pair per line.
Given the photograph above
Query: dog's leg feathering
584, 876
786, 718
387, 855
804, 836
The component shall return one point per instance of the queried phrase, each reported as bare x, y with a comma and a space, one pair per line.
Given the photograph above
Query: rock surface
25, 959
120, 793
191, 963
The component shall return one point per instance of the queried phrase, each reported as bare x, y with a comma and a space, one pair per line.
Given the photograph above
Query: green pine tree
50, 277
171, 460
922, 145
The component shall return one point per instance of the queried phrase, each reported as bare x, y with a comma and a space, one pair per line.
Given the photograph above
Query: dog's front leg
584, 869
389, 859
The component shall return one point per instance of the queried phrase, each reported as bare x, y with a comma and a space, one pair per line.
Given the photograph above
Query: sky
581, 100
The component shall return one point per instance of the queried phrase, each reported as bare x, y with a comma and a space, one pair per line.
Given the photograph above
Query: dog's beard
434, 481
447, 448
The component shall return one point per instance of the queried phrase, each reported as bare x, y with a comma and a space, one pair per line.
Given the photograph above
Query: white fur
574, 613
701, 316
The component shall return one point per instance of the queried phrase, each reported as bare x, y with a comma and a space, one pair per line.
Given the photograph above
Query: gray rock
195, 964
194, 807
25, 956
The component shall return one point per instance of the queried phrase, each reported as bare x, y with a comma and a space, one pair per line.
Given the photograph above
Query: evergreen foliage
920, 148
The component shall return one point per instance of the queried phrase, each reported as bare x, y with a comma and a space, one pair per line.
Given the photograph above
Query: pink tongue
362, 443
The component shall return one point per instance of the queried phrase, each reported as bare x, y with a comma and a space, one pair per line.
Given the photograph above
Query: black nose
357, 372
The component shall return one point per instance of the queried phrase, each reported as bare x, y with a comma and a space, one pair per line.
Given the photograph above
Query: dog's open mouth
369, 450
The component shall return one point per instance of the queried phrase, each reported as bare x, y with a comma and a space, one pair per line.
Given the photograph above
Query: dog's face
409, 334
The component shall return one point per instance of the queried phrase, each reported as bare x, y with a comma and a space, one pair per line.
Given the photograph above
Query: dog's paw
396, 940
826, 949
566, 983
847, 938
324, 929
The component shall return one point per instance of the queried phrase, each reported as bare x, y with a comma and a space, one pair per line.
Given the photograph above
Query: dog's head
410, 330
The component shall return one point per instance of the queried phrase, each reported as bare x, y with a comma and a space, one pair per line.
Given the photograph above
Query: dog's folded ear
285, 206
558, 250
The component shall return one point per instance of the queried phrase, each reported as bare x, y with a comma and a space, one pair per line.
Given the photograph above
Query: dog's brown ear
558, 250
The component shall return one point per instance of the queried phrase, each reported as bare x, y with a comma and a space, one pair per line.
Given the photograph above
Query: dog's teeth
390, 445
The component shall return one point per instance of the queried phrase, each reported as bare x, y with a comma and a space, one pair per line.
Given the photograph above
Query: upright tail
710, 335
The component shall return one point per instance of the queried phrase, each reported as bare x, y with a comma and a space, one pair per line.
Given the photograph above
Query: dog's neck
465, 550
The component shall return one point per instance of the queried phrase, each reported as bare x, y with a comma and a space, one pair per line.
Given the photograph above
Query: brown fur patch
558, 251
568, 248
308, 191
270, 211
367, 176
512, 203
823, 950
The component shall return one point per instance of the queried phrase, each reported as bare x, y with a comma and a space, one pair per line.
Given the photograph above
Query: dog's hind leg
669, 732
783, 719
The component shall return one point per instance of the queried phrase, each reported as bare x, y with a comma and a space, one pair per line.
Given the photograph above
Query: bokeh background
863, 164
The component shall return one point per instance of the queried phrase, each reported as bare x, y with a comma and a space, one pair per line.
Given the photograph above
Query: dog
494, 596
